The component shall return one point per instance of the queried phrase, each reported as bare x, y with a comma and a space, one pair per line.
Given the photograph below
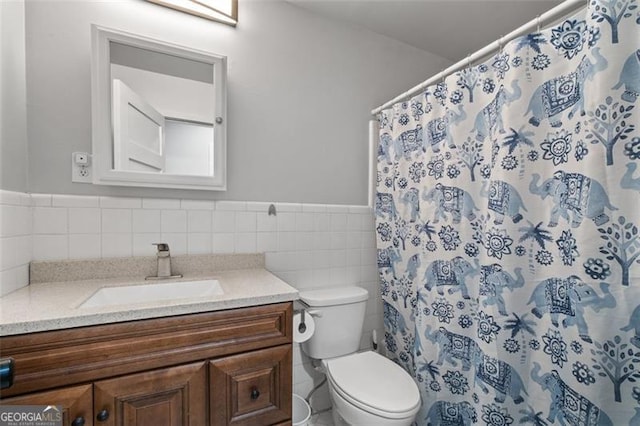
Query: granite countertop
55, 305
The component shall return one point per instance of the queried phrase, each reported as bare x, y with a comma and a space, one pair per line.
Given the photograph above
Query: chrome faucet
164, 263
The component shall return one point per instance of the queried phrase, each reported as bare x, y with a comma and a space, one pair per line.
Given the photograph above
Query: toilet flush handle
315, 312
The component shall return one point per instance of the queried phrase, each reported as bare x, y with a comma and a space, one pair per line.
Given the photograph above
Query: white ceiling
451, 29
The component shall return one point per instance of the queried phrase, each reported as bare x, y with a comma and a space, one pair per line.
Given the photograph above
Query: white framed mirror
158, 113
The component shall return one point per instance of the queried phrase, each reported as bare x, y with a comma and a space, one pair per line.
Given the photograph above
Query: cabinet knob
78, 421
255, 393
103, 415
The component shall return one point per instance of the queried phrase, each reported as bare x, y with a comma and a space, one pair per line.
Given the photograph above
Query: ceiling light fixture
225, 11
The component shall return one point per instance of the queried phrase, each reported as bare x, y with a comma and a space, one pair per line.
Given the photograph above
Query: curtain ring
538, 23
442, 76
469, 61
500, 44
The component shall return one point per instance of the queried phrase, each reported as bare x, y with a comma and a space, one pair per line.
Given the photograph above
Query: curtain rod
558, 11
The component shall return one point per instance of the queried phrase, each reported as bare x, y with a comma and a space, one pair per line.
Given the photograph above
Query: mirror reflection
163, 112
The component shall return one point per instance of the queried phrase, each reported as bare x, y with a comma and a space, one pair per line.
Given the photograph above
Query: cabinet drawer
173, 396
60, 358
76, 402
252, 388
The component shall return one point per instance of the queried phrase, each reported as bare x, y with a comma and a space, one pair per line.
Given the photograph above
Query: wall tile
305, 260
160, 203
314, 208
353, 257
146, 221
120, 203
41, 200
338, 258
321, 222
235, 206
266, 241
306, 279
143, 243
116, 221
22, 248
245, 242
199, 221
368, 222
199, 243
75, 201
177, 242
337, 208
7, 253
267, 223
9, 217
197, 205
246, 222
304, 240
321, 241
117, 245
322, 277
12, 198
354, 240
304, 222
84, 221
369, 256
354, 222
288, 207
173, 221
286, 221
50, 247
338, 222
259, 207
360, 210
224, 221
286, 241
368, 239
322, 259
85, 246
50, 220
338, 240
9, 281
16, 240
223, 242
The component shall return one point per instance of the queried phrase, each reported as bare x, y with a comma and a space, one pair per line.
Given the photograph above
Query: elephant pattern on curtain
507, 215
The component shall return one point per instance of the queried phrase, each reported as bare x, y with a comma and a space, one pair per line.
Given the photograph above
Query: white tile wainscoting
15, 240
306, 245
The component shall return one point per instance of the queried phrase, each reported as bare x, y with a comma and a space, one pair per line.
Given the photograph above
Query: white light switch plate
81, 167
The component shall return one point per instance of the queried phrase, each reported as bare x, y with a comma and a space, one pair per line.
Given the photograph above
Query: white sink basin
157, 292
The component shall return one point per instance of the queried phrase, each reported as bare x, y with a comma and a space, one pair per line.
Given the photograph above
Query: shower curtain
507, 215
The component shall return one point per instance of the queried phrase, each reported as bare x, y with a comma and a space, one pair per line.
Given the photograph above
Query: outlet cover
81, 167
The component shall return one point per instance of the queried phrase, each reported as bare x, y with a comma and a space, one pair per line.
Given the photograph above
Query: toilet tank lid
333, 296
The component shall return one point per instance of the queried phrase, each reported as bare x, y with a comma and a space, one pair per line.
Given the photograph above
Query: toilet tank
338, 314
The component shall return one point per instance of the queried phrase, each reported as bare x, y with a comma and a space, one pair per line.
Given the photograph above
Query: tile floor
321, 419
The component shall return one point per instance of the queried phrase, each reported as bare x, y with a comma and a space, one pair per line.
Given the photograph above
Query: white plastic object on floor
301, 411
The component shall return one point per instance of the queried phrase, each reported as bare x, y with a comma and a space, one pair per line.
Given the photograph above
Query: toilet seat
374, 384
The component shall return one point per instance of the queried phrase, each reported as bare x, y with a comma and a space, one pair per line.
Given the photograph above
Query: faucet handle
162, 247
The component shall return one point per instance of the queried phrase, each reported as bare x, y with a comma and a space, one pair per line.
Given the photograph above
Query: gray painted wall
13, 97
300, 91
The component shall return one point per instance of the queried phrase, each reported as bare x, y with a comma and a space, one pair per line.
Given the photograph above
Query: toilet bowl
365, 387
369, 389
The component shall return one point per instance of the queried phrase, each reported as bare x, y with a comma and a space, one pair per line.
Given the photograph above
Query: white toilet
366, 388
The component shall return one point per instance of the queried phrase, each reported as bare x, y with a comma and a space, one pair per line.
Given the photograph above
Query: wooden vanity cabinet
76, 402
229, 367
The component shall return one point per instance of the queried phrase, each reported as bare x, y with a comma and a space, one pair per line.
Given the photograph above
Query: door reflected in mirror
165, 105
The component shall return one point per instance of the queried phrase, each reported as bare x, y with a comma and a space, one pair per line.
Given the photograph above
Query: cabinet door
252, 389
76, 402
175, 396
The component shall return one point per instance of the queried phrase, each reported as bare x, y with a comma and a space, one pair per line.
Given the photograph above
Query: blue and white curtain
507, 216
